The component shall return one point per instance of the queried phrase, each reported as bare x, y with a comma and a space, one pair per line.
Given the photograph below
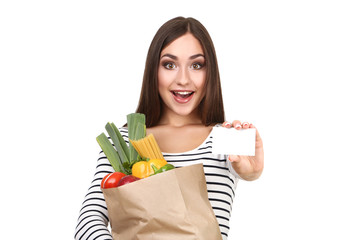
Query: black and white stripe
221, 182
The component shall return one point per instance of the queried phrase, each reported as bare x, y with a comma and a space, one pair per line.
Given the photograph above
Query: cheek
199, 80
164, 78
164, 82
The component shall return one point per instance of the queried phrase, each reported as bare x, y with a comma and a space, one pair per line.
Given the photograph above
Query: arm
248, 167
93, 216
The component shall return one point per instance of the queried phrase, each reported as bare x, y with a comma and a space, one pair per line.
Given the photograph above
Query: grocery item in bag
172, 205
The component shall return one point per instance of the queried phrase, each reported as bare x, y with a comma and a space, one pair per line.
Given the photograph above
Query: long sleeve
93, 217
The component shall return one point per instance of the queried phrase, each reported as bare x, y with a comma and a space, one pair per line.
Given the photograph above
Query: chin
184, 112
181, 110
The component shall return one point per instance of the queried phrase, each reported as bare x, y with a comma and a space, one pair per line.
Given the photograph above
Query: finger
258, 138
226, 124
245, 125
236, 124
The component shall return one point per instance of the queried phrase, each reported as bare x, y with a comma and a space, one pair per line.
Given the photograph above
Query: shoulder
123, 130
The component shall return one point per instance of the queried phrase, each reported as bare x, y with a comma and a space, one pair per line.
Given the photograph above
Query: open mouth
183, 94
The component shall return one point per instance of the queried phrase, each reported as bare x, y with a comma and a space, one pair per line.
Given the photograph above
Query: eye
197, 66
169, 65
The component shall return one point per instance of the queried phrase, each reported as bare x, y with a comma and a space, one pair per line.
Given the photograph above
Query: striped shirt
221, 181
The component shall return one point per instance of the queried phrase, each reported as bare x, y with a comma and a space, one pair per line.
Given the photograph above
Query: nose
183, 77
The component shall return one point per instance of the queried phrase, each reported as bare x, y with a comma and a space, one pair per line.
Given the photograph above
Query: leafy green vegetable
133, 120
123, 157
110, 152
123, 144
111, 129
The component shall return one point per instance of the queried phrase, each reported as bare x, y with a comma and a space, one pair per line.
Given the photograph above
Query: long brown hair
211, 107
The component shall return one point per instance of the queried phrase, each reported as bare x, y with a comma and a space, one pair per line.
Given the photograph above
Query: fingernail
238, 126
227, 124
246, 124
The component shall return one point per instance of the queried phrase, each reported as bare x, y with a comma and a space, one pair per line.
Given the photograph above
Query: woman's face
181, 75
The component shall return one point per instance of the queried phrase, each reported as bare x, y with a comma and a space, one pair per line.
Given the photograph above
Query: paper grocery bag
172, 205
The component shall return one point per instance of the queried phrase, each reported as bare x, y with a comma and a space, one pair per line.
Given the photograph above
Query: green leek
110, 152
123, 156
111, 129
133, 120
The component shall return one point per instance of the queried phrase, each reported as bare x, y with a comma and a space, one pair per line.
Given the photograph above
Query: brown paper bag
172, 205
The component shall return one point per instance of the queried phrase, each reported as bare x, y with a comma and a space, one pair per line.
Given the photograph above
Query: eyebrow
175, 57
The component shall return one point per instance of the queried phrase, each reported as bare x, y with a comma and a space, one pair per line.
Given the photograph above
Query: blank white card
233, 142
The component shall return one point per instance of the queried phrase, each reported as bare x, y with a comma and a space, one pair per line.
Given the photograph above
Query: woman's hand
248, 167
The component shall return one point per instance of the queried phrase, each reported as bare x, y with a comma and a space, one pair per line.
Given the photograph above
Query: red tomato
112, 180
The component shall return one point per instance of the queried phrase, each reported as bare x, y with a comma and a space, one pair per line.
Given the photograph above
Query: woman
181, 98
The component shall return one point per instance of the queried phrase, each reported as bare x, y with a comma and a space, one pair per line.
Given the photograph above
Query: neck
175, 120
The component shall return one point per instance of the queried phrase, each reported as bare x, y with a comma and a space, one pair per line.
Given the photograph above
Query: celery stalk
110, 152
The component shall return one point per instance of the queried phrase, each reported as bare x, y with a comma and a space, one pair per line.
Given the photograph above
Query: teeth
183, 93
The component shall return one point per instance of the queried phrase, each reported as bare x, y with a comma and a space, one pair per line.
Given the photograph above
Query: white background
289, 67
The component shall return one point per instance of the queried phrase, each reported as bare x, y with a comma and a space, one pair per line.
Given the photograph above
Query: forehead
186, 45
